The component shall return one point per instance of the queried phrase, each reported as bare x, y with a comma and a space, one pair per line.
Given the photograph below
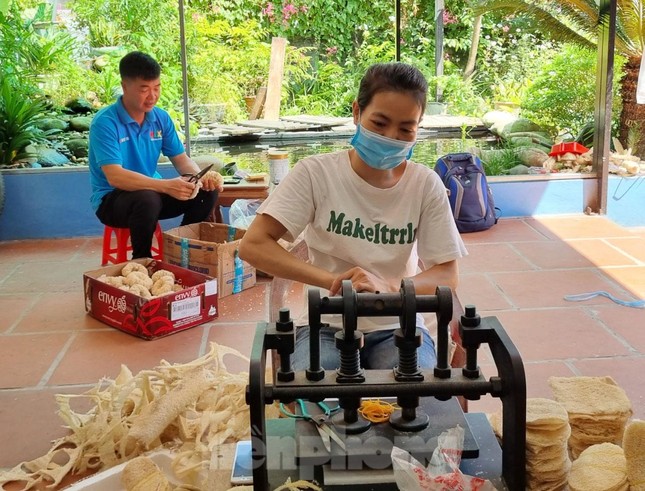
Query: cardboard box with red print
194, 304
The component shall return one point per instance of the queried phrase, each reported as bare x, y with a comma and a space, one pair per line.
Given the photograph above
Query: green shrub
562, 96
340, 27
511, 50
330, 84
499, 162
19, 50
460, 95
329, 88
151, 26
239, 52
17, 116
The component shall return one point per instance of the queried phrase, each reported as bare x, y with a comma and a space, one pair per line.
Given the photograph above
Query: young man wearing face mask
369, 215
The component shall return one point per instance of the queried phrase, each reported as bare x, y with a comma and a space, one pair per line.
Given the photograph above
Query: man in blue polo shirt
126, 139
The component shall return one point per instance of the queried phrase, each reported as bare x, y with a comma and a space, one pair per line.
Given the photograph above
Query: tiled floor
519, 271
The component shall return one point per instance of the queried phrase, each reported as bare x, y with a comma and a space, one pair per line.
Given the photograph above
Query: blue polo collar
125, 117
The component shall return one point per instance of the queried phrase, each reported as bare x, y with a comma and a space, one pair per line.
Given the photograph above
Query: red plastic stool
119, 253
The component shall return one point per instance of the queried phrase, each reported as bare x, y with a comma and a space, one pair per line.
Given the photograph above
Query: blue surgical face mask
380, 152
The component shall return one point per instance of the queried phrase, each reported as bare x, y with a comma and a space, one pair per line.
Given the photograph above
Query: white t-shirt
348, 222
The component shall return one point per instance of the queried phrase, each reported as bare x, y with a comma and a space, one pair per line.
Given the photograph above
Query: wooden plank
258, 105
235, 129
317, 120
277, 125
276, 71
449, 121
238, 131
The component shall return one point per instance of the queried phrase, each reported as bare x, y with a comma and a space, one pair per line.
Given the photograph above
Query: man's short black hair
139, 65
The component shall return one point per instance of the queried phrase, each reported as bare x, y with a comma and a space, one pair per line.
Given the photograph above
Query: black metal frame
443, 382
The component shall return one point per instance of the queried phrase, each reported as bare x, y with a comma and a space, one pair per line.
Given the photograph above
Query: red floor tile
626, 322
602, 253
58, 312
14, 308
480, 291
60, 250
633, 246
248, 305
630, 278
46, 277
538, 373
26, 442
581, 227
6, 269
586, 253
27, 358
486, 404
91, 251
94, 355
559, 334
506, 230
493, 257
548, 288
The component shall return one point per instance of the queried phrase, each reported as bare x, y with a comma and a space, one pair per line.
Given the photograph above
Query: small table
242, 190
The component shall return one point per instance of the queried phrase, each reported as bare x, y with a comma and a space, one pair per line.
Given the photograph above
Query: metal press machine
285, 448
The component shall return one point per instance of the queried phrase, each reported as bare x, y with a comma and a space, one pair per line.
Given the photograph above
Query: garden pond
253, 156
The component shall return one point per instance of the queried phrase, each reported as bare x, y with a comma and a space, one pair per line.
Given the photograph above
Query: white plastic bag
242, 212
442, 473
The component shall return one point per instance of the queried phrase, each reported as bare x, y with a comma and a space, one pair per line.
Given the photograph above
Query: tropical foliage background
576, 22
538, 55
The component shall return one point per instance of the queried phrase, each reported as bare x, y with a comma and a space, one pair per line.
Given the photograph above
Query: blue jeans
378, 352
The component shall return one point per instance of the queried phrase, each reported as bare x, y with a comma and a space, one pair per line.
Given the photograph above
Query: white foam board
110, 479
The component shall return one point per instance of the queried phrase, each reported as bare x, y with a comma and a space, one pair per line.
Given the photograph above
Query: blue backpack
471, 199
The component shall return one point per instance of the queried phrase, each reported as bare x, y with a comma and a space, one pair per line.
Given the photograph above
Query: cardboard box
151, 318
208, 248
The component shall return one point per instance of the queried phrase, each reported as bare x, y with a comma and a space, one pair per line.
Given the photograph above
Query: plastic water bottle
238, 279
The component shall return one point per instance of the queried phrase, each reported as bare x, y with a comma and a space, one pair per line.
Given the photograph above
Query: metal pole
184, 75
595, 190
397, 30
439, 7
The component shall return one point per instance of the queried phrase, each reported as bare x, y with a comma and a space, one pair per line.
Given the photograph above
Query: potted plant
436, 86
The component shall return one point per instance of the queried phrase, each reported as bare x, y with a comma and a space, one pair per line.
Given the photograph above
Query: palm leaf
577, 21
551, 25
584, 13
632, 20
